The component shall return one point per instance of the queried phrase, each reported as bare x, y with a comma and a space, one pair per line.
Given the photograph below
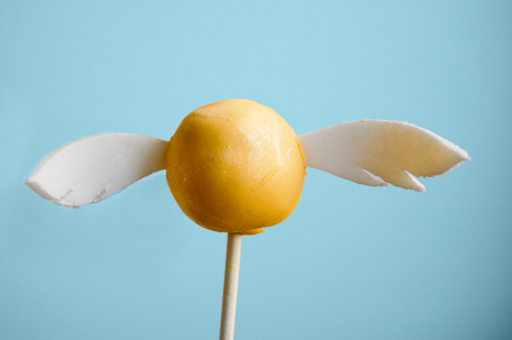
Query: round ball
235, 166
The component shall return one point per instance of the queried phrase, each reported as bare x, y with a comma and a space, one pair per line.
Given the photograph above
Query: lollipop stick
227, 320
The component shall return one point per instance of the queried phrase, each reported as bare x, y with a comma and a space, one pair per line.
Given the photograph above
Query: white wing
93, 168
378, 152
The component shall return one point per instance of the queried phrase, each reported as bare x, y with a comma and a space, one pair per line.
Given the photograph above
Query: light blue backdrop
352, 262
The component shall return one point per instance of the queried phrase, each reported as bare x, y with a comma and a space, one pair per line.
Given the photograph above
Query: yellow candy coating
235, 166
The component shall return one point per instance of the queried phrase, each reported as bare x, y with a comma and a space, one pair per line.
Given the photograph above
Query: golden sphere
235, 166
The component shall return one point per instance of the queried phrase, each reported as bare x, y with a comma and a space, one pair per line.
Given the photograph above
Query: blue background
352, 262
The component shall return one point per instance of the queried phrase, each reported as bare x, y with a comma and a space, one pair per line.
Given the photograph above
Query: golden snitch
237, 166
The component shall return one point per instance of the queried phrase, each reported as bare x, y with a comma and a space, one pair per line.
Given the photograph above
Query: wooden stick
227, 320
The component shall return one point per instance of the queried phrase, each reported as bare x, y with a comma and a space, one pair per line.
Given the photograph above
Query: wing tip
375, 181
32, 184
419, 188
39, 189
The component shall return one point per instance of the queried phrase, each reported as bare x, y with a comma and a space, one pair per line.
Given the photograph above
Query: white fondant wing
93, 168
378, 152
